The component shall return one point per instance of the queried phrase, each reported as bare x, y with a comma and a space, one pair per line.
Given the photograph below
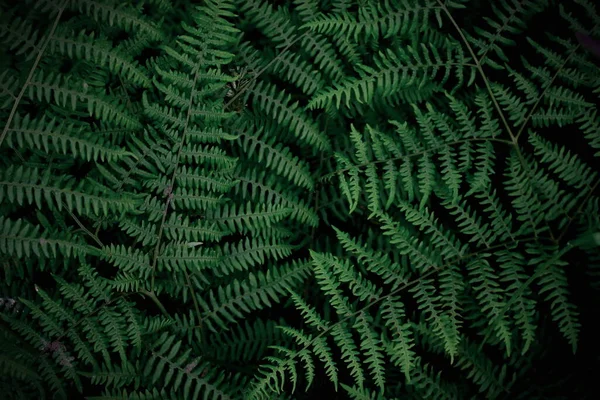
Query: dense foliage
260, 199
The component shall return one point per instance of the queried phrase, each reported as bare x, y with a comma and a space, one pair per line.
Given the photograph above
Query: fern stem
172, 180
480, 70
13, 111
156, 301
194, 300
83, 228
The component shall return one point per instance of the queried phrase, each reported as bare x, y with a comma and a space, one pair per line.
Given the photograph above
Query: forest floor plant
260, 199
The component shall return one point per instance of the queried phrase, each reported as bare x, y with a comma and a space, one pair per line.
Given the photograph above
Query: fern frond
394, 70
387, 19
66, 90
23, 240
277, 104
510, 19
400, 346
256, 292
174, 368
50, 135
29, 186
553, 281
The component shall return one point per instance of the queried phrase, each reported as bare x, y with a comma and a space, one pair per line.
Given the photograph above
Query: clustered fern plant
259, 199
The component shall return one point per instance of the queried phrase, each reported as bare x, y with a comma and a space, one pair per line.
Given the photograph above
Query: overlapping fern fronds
277, 200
